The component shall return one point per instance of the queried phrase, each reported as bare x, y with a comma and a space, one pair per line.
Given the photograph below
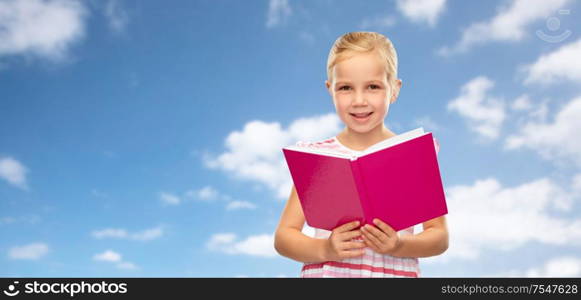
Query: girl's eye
345, 87
374, 86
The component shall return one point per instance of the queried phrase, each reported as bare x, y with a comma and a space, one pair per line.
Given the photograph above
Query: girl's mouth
362, 117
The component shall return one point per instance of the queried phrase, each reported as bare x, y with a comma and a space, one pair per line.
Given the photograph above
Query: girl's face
361, 92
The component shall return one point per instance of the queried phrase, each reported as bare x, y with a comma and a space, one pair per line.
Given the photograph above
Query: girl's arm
432, 241
289, 240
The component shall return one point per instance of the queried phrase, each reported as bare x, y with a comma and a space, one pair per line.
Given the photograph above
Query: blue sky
143, 139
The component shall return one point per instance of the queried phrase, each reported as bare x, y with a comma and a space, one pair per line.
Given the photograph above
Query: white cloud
484, 113
110, 233
25, 219
308, 37
209, 193
561, 64
257, 245
206, 193
29, 252
537, 111
116, 16
540, 113
577, 183
255, 153
108, 256
522, 103
119, 233
427, 123
553, 141
148, 234
13, 171
558, 267
99, 194
127, 266
378, 22
532, 110
234, 205
422, 11
278, 12
45, 29
169, 199
510, 24
565, 266
486, 216
219, 239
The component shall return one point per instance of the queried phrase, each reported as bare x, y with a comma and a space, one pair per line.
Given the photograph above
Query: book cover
397, 180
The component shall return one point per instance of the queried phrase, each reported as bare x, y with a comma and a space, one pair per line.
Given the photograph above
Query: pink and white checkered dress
371, 264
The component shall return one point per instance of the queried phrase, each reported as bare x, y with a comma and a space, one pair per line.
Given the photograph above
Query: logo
554, 24
12, 290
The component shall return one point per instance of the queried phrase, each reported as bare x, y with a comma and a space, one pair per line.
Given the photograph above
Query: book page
320, 152
400, 138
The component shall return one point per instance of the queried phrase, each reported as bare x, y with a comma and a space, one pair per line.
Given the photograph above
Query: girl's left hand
382, 239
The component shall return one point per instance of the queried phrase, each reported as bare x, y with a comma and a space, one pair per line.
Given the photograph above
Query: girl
362, 80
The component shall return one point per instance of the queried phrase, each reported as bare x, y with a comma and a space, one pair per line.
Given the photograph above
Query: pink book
397, 181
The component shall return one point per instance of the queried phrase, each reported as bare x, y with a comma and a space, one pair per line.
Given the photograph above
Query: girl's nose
359, 98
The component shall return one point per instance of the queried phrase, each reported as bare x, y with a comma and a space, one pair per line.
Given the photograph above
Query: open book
396, 180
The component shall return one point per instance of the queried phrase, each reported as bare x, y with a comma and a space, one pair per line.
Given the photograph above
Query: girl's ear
328, 85
395, 90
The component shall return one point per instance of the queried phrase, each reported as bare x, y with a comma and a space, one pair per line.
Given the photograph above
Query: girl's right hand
340, 244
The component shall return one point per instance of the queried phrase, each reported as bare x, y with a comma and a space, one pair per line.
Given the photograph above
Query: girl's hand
340, 244
382, 239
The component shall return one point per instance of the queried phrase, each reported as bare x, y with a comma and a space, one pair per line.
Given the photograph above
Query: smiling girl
362, 81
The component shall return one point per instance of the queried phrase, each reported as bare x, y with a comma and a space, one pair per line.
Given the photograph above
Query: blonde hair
349, 44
